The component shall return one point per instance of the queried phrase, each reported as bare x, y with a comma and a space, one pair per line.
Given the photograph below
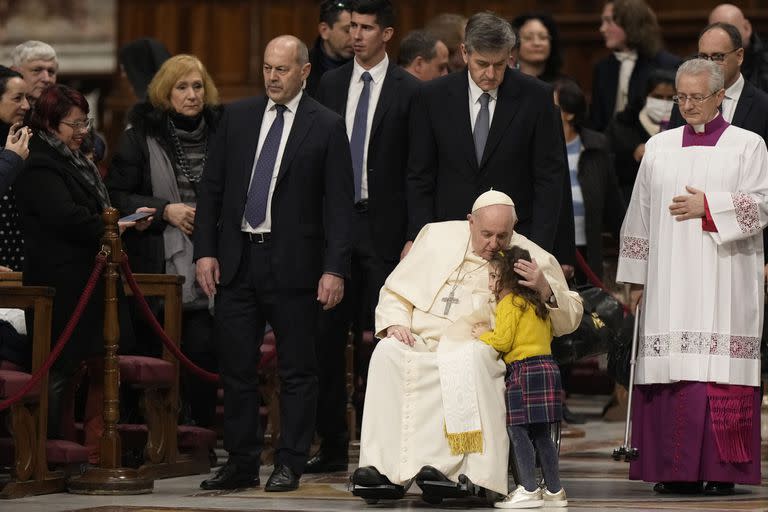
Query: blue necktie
258, 193
359, 127
482, 126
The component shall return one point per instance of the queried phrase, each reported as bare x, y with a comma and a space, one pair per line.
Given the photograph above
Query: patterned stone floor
592, 480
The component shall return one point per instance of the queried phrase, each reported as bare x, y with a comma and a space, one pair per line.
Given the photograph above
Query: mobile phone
135, 217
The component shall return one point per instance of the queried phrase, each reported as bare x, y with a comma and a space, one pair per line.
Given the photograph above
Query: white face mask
657, 109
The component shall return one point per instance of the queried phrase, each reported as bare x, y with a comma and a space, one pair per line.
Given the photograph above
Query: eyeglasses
532, 37
79, 125
716, 57
681, 99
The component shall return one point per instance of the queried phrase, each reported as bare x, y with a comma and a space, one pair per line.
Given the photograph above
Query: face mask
658, 110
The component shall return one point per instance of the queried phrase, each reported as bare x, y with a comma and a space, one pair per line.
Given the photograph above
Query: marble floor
591, 478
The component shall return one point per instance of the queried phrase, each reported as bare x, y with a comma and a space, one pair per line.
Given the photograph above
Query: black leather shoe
678, 488
430, 474
282, 479
229, 476
719, 489
327, 462
372, 486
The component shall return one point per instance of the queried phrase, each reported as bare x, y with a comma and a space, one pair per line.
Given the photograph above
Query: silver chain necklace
181, 157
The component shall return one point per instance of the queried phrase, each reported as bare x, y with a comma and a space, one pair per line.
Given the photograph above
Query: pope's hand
534, 277
479, 328
402, 334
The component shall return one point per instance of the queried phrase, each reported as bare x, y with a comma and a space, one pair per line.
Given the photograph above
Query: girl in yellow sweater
523, 335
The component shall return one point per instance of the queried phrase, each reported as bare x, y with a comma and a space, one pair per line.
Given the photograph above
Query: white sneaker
520, 498
556, 499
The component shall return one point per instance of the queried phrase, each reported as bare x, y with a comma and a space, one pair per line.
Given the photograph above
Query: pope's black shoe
719, 489
372, 486
678, 488
327, 461
230, 476
282, 479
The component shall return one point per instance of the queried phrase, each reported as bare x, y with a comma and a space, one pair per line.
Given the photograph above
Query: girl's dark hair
504, 264
5, 75
572, 101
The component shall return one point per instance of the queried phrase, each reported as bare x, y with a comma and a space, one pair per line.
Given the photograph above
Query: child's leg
525, 460
548, 457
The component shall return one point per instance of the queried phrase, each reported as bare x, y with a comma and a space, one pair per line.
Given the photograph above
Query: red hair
54, 104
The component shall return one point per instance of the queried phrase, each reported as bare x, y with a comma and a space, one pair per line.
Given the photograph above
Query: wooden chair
29, 418
159, 379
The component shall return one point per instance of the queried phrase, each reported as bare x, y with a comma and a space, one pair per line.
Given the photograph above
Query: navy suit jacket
388, 147
311, 204
524, 155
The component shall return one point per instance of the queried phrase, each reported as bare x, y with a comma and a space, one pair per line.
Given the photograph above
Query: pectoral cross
450, 300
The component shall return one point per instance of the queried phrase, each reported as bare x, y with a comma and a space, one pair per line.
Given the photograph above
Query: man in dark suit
744, 105
333, 46
271, 241
487, 127
374, 96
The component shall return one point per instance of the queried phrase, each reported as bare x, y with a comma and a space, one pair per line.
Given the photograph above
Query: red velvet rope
66, 334
169, 344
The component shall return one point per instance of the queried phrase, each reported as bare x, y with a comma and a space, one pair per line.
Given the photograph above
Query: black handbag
596, 334
620, 353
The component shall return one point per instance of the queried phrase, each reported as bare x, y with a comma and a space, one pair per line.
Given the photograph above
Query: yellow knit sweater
519, 333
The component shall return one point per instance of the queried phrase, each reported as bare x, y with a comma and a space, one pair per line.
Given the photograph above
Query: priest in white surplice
691, 245
435, 396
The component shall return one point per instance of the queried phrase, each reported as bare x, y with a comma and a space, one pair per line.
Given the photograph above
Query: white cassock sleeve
635, 231
743, 213
392, 309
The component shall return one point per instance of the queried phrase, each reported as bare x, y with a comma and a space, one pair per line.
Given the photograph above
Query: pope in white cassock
691, 246
434, 405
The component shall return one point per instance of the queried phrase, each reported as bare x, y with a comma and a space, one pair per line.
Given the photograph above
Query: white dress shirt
378, 73
270, 113
627, 60
732, 95
474, 102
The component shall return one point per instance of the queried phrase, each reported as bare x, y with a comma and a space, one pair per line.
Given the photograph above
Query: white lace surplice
703, 300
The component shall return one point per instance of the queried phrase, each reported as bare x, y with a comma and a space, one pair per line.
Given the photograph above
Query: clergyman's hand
533, 278
406, 249
689, 206
635, 297
402, 334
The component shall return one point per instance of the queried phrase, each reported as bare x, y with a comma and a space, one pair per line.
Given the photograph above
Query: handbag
596, 334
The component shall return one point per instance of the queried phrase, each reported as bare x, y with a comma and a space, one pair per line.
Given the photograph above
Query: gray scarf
178, 246
86, 169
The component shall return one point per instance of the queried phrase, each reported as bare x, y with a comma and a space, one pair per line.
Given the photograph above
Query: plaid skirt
533, 391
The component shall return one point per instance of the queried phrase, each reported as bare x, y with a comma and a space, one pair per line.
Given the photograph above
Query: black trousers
242, 309
361, 294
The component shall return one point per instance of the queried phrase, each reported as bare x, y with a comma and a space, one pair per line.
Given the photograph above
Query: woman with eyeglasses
159, 162
692, 250
539, 46
61, 197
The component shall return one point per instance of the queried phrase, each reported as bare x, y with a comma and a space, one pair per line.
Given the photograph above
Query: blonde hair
178, 66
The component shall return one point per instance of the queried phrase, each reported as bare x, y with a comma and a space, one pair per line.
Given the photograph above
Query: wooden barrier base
186, 465
56, 482
116, 481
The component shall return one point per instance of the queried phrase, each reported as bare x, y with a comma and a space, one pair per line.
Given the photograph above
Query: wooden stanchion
109, 477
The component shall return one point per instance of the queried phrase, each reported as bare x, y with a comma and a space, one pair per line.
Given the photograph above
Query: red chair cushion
145, 371
195, 437
12, 381
61, 452
58, 452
